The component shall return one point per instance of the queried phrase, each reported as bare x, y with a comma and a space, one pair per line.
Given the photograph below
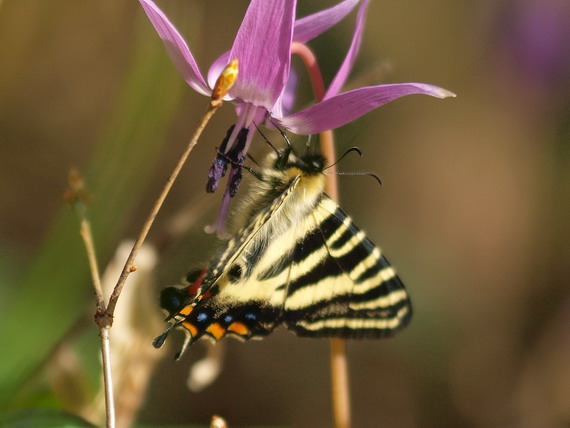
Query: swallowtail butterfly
299, 260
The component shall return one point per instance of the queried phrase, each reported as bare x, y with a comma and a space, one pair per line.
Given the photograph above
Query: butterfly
299, 260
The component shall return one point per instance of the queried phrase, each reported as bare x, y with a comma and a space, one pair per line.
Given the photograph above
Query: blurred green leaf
45, 418
53, 294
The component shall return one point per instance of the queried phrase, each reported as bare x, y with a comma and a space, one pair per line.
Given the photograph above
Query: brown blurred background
473, 211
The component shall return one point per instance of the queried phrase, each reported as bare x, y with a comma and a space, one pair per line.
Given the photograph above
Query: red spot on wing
192, 289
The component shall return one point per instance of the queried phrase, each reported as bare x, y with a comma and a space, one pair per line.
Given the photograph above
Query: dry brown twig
77, 197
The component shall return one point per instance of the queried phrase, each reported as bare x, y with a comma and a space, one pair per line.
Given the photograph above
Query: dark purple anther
216, 172
236, 154
219, 166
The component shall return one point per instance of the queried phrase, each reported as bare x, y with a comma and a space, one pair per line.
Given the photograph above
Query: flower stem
129, 264
339, 362
224, 83
339, 384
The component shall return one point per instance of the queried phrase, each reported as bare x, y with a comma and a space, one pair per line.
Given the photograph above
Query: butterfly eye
235, 273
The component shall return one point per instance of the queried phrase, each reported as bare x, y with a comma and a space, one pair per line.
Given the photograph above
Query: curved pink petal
343, 108
176, 48
287, 98
311, 26
263, 48
344, 70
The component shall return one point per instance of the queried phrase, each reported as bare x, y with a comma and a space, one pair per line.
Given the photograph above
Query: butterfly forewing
235, 297
225, 258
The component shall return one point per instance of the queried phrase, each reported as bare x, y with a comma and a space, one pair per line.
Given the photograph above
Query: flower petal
344, 70
311, 26
263, 48
287, 99
343, 108
176, 47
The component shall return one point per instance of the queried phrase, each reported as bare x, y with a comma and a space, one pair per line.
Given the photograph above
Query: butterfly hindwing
233, 297
340, 284
214, 319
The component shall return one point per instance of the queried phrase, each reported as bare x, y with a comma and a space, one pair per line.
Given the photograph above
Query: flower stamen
227, 78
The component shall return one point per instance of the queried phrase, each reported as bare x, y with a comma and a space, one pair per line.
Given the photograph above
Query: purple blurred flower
533, 36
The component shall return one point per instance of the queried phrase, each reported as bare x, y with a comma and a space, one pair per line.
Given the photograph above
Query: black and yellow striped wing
324, 278
300, 260
247, 243
340, 285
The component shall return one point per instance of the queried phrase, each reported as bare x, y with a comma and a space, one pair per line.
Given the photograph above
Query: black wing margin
340, 285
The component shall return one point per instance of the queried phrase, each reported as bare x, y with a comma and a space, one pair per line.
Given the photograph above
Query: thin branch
78, 198
104, 331
129, 264
225, 81
87, 236
339, 363
107, 377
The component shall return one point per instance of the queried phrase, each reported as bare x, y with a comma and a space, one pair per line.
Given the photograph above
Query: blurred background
473, 213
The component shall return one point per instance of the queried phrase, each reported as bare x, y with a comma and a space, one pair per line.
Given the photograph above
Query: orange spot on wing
191, 328
186, 310
216, 330
239, 328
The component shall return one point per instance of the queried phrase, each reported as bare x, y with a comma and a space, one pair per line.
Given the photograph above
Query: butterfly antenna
308, 145
370, 174
290, 147
352, 149
284, 135
267, 140
251, 158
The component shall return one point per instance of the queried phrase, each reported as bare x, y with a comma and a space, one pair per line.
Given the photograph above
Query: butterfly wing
340, 284
234, 297
249, 237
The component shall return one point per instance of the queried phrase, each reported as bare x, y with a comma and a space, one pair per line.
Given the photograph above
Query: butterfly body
300, 261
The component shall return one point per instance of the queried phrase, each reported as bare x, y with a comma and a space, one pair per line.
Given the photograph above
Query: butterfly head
309, 164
